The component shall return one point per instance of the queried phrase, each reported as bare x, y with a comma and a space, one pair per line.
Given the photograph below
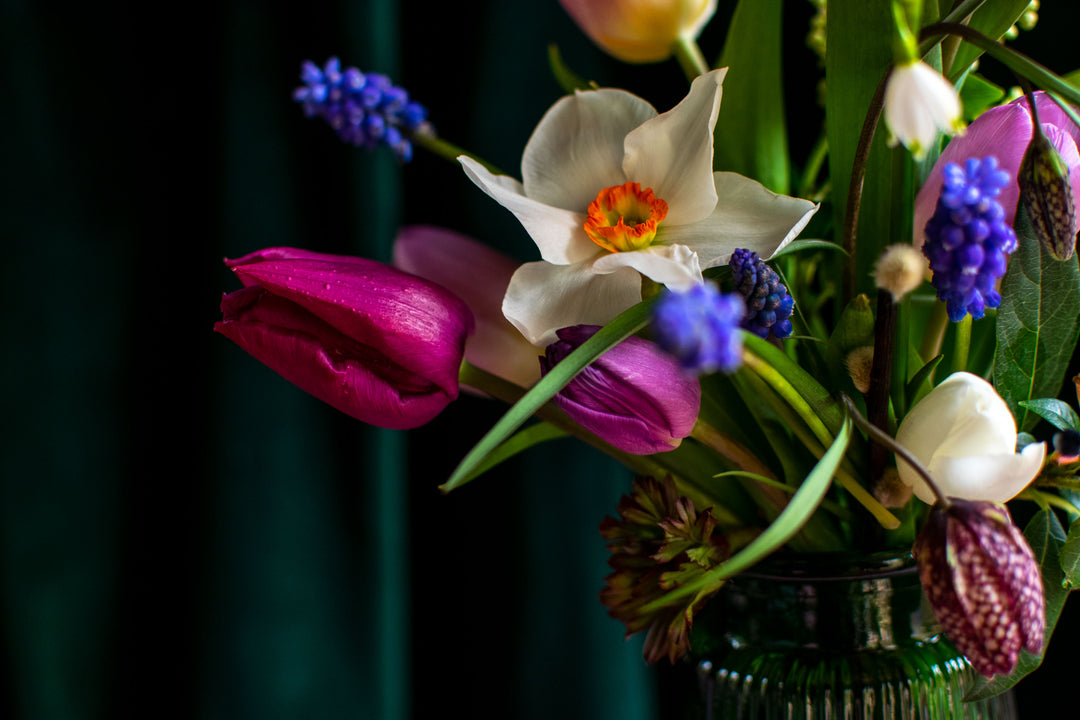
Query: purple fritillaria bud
1047, 195
376, 343
983, 582
635, 396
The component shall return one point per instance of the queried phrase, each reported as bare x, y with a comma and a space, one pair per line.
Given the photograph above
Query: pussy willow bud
983, 582
859, 363
891, 491
899, 270
1047, 196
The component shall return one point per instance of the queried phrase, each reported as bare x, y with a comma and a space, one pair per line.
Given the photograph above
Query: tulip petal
997, 478
478, 275
636, 31
673, 153
577, 149
559, 234
543, 297
748, 216
308, 352
675, 266
415, 324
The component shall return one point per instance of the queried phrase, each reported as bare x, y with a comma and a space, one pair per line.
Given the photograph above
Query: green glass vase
815, 637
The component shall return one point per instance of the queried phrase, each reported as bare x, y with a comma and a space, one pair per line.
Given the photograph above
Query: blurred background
182, 533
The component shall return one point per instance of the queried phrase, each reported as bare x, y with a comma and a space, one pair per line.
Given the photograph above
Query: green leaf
1046, 537
1053, 411
521, 441
992, 19
787, 524
1070, 556
568, 80
750, 137
919, 385
625, 325
809, 244
979, 94
1036, 324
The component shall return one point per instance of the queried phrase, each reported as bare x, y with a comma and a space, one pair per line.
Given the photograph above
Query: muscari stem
934, 333
449, 150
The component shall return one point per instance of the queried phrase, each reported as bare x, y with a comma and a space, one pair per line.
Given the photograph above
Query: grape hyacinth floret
967, 238
700, 328
768, 305
366, 110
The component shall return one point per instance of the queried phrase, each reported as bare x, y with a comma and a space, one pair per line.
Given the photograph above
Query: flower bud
378, 344
635, 396
859, 363
899, 270
1047, 196
983, 582
920, 103
640, 31
964, 434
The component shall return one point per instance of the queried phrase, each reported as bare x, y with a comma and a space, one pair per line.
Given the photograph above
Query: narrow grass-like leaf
809, 244
919, 385
834, 507
1046, 537
1070, 556
1037, 323
978, 94
1053, 411
992, 19
519, 442
625, 325
787, 524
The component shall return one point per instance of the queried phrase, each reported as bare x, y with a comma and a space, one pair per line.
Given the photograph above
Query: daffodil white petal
747, 216
543, 297
997, 478
673, 153
577, 149
675, 266
559, 234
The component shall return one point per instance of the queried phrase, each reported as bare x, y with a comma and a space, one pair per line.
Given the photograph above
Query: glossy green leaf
751, 137
787, 524
625, 325
1053, 411
1070, 556
979, 94
1037, 323
1046, 537
920, 385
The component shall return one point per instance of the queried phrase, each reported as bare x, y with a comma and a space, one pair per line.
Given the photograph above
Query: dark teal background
182, 533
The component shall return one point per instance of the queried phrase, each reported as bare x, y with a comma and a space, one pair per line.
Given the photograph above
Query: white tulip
964, 434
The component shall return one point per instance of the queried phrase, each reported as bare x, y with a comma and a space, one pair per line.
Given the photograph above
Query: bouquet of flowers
856, 351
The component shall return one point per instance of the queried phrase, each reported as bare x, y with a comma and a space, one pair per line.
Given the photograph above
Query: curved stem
1017, 62
858, 173
449, 150
882, 437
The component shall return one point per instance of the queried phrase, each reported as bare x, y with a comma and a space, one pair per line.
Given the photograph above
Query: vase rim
834, 566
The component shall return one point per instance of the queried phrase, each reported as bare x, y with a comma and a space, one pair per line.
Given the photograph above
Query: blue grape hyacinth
366, 110
967, 239
768, 305
700, 327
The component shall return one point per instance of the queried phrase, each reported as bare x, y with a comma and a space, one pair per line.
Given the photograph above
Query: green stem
1017, 62
449, 150
690, 57
961, 344
935, 332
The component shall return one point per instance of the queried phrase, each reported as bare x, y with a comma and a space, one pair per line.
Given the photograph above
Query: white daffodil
919, 103
612, 190
964, 434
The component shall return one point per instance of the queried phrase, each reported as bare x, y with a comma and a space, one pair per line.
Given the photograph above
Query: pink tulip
376, 343
479, 276
640, 31
635, 396
1003, 132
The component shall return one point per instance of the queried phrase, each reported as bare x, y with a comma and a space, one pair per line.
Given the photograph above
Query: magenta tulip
635, 396
478, 275
376, 343
1003, 132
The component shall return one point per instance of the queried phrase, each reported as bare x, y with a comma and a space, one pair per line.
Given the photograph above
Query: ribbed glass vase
820, 637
